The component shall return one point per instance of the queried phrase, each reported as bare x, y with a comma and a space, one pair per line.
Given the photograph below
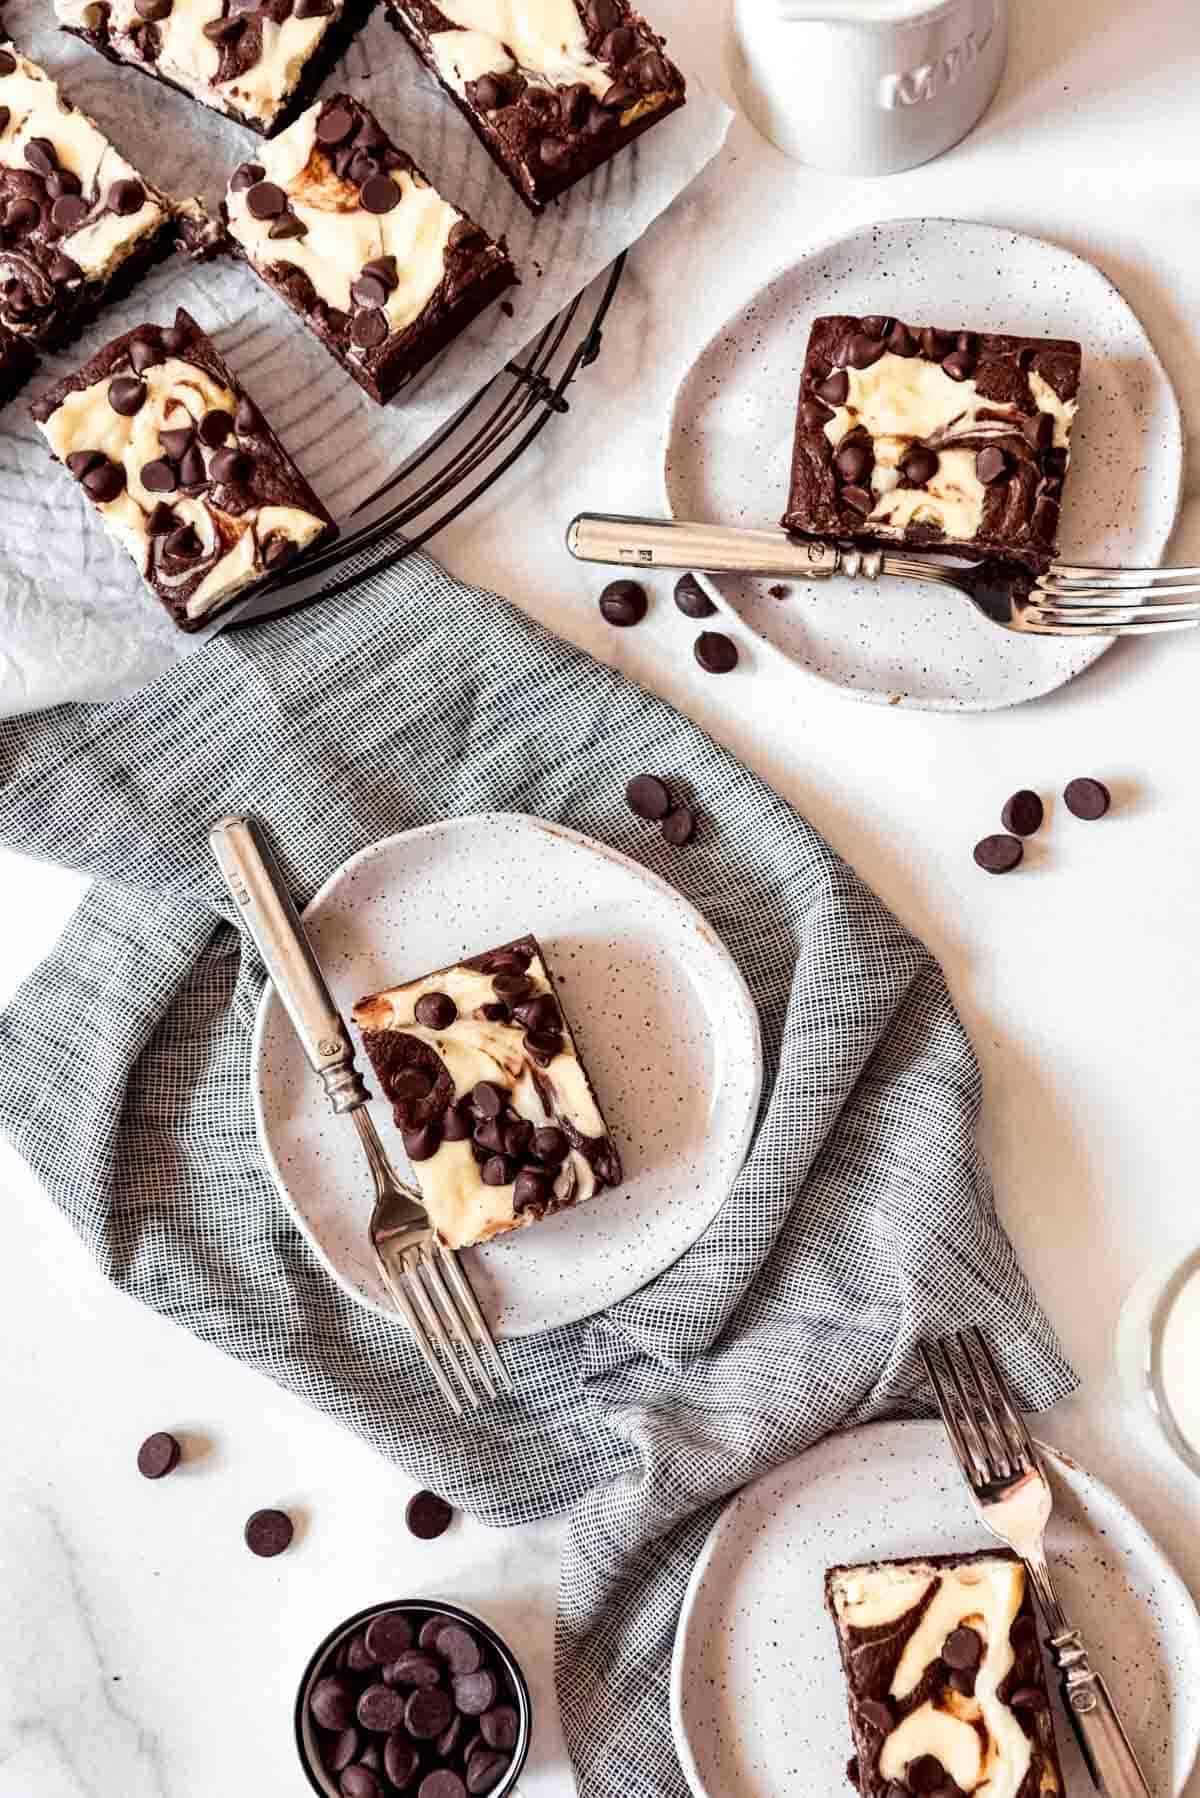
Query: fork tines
432, 1292
987, 1431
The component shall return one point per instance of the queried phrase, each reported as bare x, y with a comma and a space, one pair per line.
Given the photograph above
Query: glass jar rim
1188, 1268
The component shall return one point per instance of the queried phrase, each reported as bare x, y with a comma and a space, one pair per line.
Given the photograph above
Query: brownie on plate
552, 90
343, 224
182, 467
498, 1114
258, 63
78, 224
945, 1679
955, 443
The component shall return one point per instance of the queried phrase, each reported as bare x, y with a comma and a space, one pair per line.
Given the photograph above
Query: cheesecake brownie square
955, 443
182, 467
78, 224
345, 227
260, 64
552, 90
945, 1679
498, 1115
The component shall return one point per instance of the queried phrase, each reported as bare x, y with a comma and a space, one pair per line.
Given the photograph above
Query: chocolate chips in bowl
413, 1697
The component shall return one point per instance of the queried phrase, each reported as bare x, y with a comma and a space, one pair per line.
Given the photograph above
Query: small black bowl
322, 1782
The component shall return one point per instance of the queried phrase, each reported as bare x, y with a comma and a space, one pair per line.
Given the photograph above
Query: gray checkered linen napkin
863, 1216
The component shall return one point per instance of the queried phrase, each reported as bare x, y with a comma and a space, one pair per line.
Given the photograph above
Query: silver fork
1067, 601
426, 1281
1012, 1495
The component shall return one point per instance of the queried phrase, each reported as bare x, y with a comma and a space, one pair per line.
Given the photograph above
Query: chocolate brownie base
952, 443
191, 480
944, 1677
17, 363
317, 67
383, 297
497, 1111
543, 134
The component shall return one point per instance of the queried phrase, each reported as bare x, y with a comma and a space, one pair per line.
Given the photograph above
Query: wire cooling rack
457, 464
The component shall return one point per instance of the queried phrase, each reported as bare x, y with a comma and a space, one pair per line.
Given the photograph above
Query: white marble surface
142, 1651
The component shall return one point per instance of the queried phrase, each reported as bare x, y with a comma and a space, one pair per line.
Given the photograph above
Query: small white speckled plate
664, 1021
728, 449
758, 1703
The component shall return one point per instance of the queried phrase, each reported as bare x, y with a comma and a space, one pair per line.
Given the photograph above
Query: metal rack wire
456, 465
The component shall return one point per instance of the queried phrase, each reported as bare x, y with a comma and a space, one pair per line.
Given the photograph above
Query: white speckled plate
758, 1703
729, 444
664, 1021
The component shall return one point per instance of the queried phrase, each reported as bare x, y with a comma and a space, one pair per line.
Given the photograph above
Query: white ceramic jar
866, 87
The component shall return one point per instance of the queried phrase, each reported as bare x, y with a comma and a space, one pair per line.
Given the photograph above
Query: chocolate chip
815, 413
460, 1649
857, 499
288, 226
380, 1709
648, 796
400, 1760
497, 1170
679, 826
1028, 1698
485, 1771
161, 520
437, 1011
265, 200
878, 1713
223, 31
925, 1774
8, 62
919, 465
531, 1191
388, 1635
63, 268
963, 1649
428, 1516
369, 290
854, 461
959, 365
176, 337
268, 1533
623, 603
862, 351
900, 340
379, 194
412, 1668
81, 462
153, 10
618, 46
544, 1045
158, 1455
715, 652
143, 355
427, 1713
313, 9
936, 344
553, 153
248, 175
105, 482
620, 95
126, 197
475, 1693
215, 427
359, 1658
423, 1143
332, 1703
230, 465
991, 465
448, 1741
369, 329
488, 1099
998, 854
550, 1145
126, 395
691, 598
343, 1749
511, 987
489, 93
178, 440
69, 213
63, 181
360, 1781
183, 545
334, 126
159, 476
247, 419
602, 15
1022, 815
456, 1125
443, 1783
499, 1727
1086, 798
41, 155
1039, 430
835, 389
23, 214
652, 72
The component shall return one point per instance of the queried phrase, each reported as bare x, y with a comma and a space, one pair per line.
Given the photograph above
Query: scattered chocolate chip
488, 1099
265, 200
105, 482
268, 1533
835, 389
126, 395
380, 1709
143, 355
249, 174
428, 1516
437, 1011
857, 500
379, 194
715, 652
679, 826
919, 465
126, 197
1028, 1698
691, 598
648, 796
334, 126
991, 465
998, 854
623, 603
332, 1703
230, 465
854, 461
1022, 815
159, 476
878, 1713
963, 1649
158, 1455
1084, 798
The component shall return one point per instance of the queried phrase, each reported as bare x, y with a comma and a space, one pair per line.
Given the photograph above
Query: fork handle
706, 548
252, 875
1106, 1748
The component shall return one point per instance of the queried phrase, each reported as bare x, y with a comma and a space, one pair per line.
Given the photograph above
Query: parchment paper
76, 620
